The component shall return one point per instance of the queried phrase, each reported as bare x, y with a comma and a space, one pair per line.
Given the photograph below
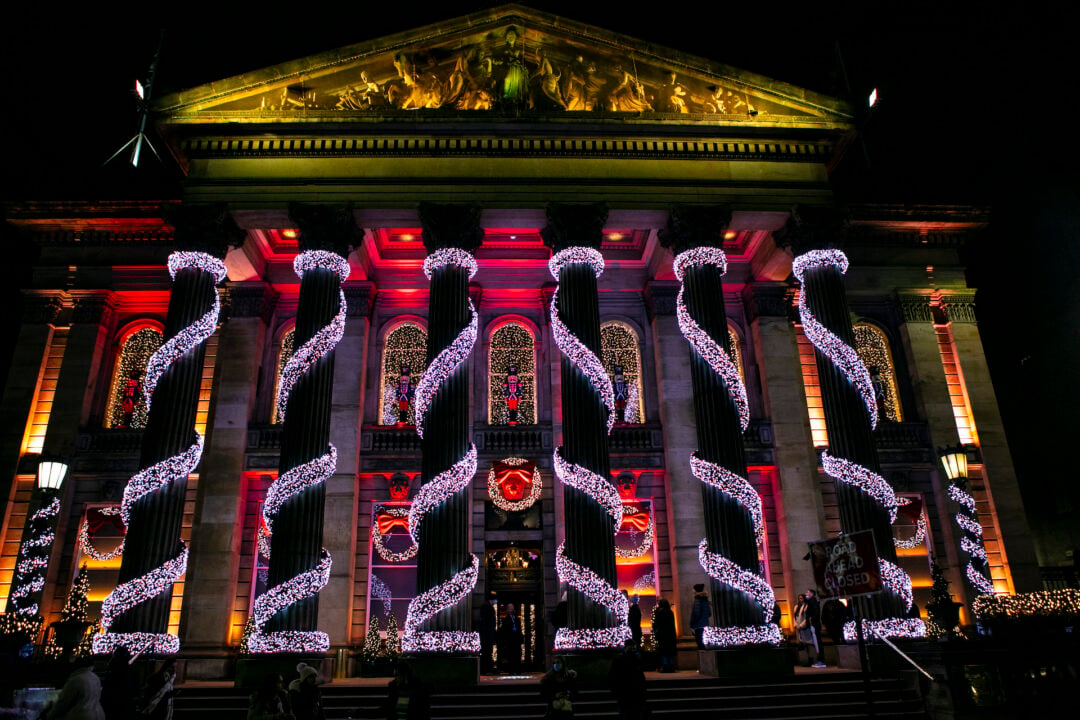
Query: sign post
847, 567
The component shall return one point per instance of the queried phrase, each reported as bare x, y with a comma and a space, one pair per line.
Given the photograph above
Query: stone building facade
513, 112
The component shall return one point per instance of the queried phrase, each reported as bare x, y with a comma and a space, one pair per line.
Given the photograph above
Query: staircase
818, 696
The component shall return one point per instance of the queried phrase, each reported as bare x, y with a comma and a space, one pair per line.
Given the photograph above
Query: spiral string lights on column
34, 558
843, 470
300, 478
722, 569
972, 542
160, 475
598, 489
443, 486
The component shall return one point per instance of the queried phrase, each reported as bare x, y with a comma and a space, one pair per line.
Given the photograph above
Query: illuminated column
136, 613
742, 600
439, 618
286, 615
866, 500
217, 533
586, 560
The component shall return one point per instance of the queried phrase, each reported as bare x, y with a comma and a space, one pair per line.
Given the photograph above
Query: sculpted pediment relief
509, 59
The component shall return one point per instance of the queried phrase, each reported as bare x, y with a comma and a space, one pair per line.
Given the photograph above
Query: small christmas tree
249, 628
75, 608
372, 642
393, 642
941, 609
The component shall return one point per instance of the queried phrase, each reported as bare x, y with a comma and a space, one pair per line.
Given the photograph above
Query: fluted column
137, 611
865, 499
286, 616
596, 615
734, 526
439, 618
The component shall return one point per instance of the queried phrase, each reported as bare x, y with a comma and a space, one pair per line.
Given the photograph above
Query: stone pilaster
799, 510
217, 533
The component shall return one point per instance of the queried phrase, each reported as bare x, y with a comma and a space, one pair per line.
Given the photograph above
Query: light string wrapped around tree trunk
299, 479
446, 486
34, 557
818, 271
972, 541
160, 476
591, 584
731, 503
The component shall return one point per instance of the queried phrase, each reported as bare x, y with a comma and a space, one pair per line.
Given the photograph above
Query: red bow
636, 521
386, 522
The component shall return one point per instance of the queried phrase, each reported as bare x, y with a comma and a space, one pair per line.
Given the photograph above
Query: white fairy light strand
732, 485
972, 542
870, 483
194, 334
569, 344
645, 582
433, 601
296, 480
842, 355
86, 545
378, 541
132, 593
514, 505
709, 349
160, 475
596, 487
729, 573
920, 529
306, 584
381, 591
646, 542
910, 628
31, 561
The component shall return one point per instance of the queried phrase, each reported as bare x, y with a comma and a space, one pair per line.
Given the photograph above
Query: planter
381, 667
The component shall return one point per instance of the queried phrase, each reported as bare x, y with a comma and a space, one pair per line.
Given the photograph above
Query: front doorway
515, 578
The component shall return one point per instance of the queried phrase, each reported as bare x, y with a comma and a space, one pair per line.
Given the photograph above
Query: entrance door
515, 576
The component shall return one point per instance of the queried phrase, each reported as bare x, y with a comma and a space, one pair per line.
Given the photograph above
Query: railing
637, 438
902, 435
519, 439
261, 438
379, 439
109, 441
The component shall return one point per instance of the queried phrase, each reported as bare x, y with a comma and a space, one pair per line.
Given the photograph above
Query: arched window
127, 404
619, 346
511, 344
285, 351
736, 351
405, 346
873, 349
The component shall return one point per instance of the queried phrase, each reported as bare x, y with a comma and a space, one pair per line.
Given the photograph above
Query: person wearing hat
304, 695
700, 614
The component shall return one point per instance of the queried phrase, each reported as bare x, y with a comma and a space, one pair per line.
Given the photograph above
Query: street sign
846, 566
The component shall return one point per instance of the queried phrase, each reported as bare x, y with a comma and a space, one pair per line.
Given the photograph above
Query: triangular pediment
508, 58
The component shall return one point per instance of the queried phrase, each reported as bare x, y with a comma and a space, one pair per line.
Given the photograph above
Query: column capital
768, 299
250, 299
660, 298
41, 309
915, 307
359, 299
959, 308
325, 227
574, 225
813, 228
692, 226
93, 309
208, 228
451, 226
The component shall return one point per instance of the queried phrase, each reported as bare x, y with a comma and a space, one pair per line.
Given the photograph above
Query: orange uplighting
730, 235
290, 234
615, 236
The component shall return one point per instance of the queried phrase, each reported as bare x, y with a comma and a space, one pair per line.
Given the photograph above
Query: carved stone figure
575, 86
515, 79
673, 97
629, 95
594, 85
549, 95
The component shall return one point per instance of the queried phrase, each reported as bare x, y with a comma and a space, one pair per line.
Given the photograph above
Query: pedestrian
664, 632
157, 695
269, 702
120, 688
557, 689
700, 614
80, 698
834, 614
775, 619
487, 629
626, 680
633, 619
407, 696
814, 613
804, 630
304, 696
510, 640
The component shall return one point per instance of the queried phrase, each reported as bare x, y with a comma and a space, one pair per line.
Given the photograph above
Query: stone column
799, 510
297, 554
686, 519
153, 531
342, 499
742, 604
444, 562
813, 233
1000, 474
216, 536
593, 622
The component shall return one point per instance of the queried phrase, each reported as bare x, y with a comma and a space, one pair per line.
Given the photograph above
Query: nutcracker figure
512, 394
405, 391
621, 394
130, 400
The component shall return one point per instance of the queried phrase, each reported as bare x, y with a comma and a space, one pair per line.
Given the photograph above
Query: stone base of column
209, 665
442, 672
748, 661
882, 658
592, 668
251, 671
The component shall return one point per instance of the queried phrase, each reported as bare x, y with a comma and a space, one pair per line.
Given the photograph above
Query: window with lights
873, 349
127, 401
512, 376
621, 350
405, 347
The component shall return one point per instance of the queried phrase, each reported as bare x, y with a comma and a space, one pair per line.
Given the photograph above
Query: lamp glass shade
955, 463
50, 474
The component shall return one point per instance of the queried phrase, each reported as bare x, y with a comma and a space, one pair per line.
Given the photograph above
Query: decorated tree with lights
393, 640
942, 610
75, 607
372, 642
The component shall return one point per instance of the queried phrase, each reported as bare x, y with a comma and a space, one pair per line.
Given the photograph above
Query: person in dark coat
510, 640
270, 702
626, 680
408, 698
700, 614
157, 699
304, 696
487, 628
557, 689
633, 619
120, 688
664, 632
833, 615
814, 615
